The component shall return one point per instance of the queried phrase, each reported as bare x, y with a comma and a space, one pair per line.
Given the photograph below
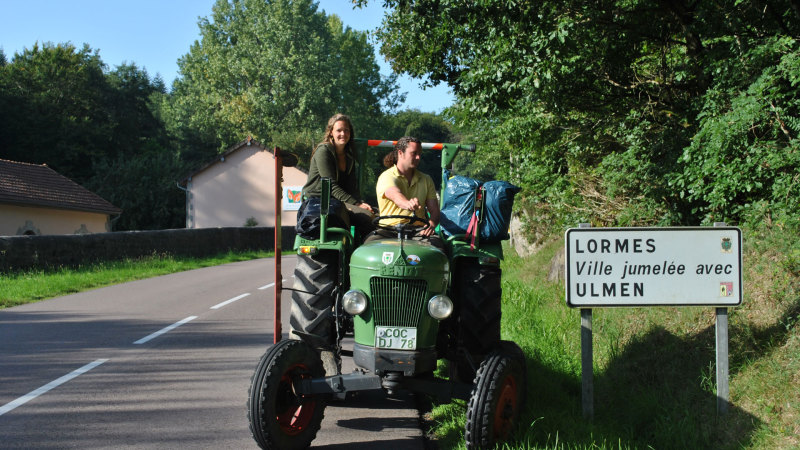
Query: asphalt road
163, 363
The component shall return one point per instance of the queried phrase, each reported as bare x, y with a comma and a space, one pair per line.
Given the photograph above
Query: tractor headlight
440, 307
354, 302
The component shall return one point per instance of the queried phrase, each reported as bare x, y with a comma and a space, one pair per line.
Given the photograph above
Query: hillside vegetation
654, 367
633, 113
620, 113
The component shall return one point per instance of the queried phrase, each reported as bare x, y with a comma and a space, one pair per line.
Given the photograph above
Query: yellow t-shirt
421, 188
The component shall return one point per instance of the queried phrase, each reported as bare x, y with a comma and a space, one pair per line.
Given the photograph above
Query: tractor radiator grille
397, 303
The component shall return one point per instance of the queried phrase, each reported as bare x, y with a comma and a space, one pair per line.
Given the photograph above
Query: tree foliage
273, 70
427, 127
55, 108
619, 112
144, 186
276, 71
60, 106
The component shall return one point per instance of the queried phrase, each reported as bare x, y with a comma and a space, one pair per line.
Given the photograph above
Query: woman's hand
367, 206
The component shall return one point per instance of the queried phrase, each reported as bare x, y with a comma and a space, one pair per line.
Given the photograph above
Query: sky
153, 34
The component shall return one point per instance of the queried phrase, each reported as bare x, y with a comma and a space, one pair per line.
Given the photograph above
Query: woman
334, 158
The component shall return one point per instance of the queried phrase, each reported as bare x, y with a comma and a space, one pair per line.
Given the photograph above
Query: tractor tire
280, 418
479, 299
497, 397
312, 304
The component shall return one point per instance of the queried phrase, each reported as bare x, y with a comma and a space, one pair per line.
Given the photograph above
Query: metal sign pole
587, 375
587, 359
723, 391
722, 361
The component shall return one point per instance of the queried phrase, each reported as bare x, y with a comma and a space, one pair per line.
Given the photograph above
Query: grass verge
654, 374
34, 285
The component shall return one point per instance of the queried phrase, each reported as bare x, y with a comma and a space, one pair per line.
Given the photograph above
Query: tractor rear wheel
312, 304
497, 397
280, 418
479, 312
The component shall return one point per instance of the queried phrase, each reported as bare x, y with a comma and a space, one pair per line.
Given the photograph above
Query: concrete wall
17, 220
28, 252
239, 186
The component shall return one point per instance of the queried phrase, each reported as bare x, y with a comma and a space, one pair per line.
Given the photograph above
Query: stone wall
30, 252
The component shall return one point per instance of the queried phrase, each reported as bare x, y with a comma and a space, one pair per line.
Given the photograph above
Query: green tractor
408, 305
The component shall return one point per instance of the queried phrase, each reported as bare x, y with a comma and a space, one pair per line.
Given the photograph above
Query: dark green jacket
344, 185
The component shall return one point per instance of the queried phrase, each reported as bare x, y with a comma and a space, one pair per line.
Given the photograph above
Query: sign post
721, 326
638, 267
587, 359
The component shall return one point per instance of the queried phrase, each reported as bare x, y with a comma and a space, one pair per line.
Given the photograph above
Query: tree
139, 173
59, 106
359, 89
427, 127
143, 184
55, 108
275, 71
595, 107
133, 99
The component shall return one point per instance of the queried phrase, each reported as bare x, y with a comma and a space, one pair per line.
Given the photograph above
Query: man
403, 190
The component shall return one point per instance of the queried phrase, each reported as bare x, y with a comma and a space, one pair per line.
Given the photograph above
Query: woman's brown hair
328, 139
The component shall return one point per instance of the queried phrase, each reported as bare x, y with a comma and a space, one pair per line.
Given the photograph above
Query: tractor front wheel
497, 397
281, 418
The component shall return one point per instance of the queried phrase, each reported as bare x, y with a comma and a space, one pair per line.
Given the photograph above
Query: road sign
687, 266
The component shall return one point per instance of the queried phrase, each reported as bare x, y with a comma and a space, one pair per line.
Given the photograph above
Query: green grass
34, 285
654, 374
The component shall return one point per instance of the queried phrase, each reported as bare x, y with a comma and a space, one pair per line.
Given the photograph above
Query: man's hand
411, 205
394, 194
428, 231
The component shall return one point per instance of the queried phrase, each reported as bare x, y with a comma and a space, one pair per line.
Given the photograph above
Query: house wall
229, 192
16, 220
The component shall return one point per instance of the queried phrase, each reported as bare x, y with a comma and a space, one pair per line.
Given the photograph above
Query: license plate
396, 338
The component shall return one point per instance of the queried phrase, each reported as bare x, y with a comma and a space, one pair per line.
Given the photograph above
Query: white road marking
51, 385
164, 330
10, 406
226, 302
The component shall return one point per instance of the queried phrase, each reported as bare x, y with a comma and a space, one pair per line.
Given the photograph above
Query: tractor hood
409, 259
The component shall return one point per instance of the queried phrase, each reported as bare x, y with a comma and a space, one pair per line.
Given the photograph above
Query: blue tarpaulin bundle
458, 206
498, 203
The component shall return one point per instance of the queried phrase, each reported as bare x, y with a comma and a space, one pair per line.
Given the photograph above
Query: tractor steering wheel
412, 226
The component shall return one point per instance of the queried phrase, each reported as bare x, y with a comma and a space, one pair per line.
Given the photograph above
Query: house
35, 199
238, 189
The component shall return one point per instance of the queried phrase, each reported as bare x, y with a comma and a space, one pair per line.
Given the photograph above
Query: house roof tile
38, 185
